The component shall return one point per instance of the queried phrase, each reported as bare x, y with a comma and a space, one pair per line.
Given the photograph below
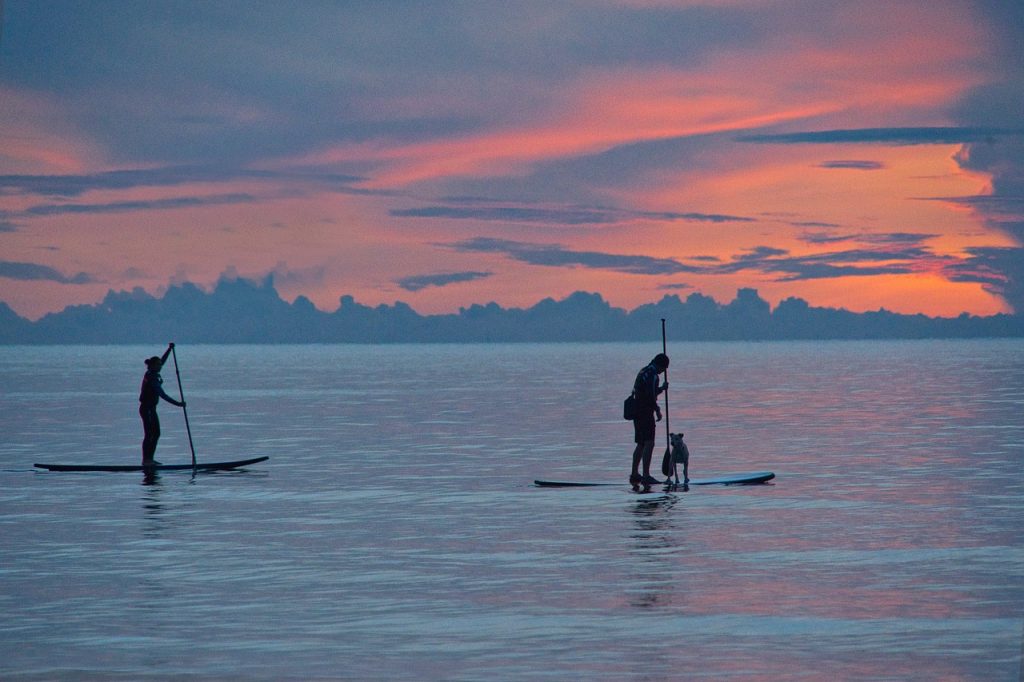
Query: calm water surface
395, 533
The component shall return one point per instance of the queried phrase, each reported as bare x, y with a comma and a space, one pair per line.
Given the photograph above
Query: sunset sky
854, 154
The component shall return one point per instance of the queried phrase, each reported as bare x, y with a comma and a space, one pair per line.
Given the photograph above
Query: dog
680, 454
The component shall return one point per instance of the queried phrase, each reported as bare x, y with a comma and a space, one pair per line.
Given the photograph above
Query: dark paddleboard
202, 466
727, 479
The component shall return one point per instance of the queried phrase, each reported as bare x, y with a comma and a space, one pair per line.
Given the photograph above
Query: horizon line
267, 282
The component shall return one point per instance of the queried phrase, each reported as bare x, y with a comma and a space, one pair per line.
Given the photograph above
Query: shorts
644, 427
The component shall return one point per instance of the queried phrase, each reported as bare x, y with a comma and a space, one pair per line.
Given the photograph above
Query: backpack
629, 408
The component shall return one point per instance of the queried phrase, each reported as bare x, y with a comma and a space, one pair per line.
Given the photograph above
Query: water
395, 533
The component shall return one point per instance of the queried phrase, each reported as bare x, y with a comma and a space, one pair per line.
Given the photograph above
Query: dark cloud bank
241, 311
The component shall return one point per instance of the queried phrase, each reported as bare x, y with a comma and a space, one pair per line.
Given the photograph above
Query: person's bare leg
648, 453
638, 453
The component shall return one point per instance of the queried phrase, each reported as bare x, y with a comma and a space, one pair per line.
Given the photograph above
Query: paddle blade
666, 463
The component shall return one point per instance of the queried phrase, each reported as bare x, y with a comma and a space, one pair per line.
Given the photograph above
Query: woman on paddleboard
149, 396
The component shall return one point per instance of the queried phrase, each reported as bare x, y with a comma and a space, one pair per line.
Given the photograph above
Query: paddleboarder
646, 391
149, 396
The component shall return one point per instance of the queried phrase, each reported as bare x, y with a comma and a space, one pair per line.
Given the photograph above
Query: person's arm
163, 359
160, 387
163, 394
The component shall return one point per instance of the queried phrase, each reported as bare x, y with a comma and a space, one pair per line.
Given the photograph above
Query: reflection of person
646, 390
149, 396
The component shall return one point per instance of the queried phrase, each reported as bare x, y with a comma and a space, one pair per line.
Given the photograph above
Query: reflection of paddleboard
728, 479
207, 466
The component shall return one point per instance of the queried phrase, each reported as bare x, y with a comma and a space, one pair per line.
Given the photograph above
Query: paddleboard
727, 479
201, 466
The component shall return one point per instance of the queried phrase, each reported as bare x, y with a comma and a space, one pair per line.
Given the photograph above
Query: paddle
181, 394
668, 465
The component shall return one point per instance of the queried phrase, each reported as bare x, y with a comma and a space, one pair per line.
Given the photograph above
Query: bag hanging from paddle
629, 408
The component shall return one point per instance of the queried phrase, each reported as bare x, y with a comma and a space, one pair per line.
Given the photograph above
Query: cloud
760, 253
765, 259
999, 269
36, 272
907, 238
288, 277
825, 238
134, 273
553, 255
554, 111
985, 266
852, 164
583, 164
992, 142
997, 207
363, 73
883, 238
571, 215
849, 263
814, 223
516, 214
801, 269
140, 205
215, 80
76, 185
893, 136
417, 282
998, 103
695, 217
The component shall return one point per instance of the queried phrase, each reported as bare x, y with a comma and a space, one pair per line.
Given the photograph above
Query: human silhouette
150, 393
645, 392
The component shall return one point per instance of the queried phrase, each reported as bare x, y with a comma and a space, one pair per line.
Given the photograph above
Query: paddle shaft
181, 394
668, 435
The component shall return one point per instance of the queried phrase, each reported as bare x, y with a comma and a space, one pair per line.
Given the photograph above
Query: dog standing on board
680, 454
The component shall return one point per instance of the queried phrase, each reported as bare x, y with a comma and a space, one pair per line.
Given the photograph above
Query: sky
858, 155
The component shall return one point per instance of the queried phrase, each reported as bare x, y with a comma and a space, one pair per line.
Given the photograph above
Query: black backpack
629, 408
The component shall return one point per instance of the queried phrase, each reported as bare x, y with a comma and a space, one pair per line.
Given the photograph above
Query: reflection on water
152, 504
394, 533
656, 539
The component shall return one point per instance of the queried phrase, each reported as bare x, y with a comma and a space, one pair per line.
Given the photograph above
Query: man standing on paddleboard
646, 391
149, 396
